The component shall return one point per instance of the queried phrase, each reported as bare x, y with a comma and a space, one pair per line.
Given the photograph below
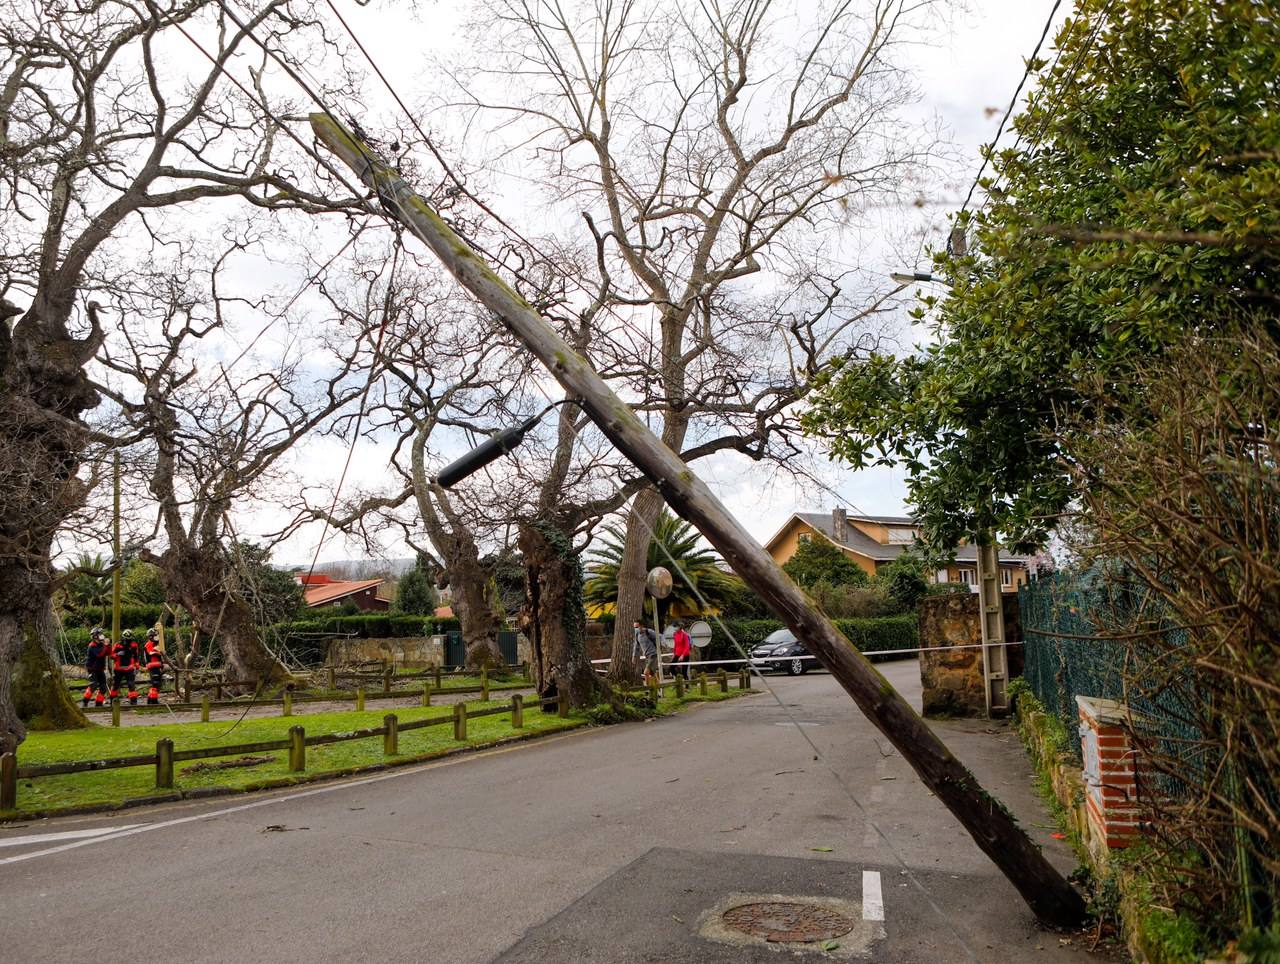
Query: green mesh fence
1065, 616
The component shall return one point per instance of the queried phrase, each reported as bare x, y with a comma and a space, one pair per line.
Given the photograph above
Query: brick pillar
1110, 771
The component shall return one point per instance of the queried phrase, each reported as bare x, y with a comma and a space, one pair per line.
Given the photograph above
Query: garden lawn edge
277, 783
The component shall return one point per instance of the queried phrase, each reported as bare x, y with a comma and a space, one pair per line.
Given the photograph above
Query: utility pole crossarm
992, 827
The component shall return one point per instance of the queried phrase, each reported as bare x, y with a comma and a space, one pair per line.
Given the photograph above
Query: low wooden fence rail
387, 692
165, 755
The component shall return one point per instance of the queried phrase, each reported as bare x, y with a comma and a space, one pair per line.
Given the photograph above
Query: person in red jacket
153, 660
124, 664
681, 651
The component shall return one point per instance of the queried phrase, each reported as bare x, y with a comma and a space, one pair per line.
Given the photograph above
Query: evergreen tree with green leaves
416, 591
818, 560
1141, 201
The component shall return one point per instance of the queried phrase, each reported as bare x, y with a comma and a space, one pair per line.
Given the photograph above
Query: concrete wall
952, 677
411, 651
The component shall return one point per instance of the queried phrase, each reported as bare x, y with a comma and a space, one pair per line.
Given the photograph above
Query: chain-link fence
1077, 628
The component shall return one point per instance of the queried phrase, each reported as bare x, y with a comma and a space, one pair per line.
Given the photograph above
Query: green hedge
132, 616
868, 635
306, 639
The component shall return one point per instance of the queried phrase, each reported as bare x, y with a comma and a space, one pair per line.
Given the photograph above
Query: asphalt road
615, 844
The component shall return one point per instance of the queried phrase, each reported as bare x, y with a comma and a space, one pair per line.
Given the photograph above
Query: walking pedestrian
646, 648
681, 651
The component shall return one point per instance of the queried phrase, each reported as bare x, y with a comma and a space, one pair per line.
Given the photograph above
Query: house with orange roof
321, 591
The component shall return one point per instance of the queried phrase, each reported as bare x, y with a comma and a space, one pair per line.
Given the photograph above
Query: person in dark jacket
124, 659
647, 648
95, 663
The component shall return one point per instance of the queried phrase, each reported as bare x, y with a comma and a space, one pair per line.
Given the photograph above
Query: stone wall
952, 677
412, 651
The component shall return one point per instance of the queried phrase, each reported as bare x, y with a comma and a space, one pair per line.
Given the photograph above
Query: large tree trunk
556, 623
472, 605
631, 575
198, 579
43, 394
33, 691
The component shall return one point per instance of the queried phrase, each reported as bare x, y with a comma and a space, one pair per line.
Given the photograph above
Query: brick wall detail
1110, 771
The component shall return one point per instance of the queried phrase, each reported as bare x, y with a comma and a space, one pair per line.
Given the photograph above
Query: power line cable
1013, 101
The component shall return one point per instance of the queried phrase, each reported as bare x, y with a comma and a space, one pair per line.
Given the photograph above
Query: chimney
840, 526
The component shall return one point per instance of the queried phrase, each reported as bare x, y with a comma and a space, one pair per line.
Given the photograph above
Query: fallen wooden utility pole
1047, 893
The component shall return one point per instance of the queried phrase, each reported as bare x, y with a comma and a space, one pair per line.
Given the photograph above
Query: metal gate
455, 653
507, 647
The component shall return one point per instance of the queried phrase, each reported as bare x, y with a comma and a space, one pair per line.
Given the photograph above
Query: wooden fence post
437, 668
459, 721
217, 691
391, 739
8, 782
702, 684
288, 704
426, 693
360, 700
204, 708
655, 691
297, 749
517, 711
484, 683
333, 682
562, 701
386, 680
164, 764
679, 687
724, 680
746, 678
115, 712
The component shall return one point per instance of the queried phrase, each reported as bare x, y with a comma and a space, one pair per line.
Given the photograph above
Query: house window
902, 537
802, 537
969, 577
1006, 577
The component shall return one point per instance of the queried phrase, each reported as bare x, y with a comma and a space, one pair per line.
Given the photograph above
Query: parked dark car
781, 651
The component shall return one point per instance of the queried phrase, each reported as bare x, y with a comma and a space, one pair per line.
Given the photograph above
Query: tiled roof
863, 544
330, 591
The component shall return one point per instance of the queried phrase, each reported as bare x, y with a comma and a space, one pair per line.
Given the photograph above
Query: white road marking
63, 835
872, 899
117, 832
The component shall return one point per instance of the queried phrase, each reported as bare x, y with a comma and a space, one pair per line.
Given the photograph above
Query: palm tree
695, 567
84, 591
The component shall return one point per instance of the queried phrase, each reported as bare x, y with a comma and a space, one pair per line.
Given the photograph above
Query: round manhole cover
787, 921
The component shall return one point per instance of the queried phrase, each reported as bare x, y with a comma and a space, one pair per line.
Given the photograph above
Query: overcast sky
966, 76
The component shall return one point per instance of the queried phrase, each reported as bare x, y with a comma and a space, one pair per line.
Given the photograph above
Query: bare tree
109, 117
220, 437
448, 378
712, 153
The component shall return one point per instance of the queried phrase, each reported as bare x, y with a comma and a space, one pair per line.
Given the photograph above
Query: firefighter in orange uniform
124, 659
95, 662
153, 660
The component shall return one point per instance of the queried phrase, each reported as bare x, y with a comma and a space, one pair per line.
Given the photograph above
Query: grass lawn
110, 787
